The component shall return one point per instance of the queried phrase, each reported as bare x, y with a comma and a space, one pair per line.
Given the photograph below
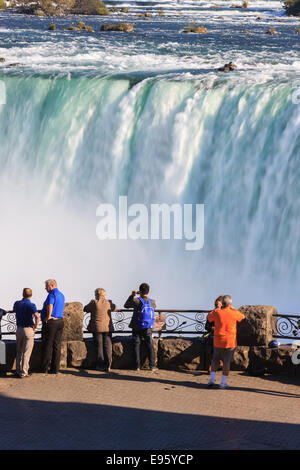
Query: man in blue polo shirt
52, 327
27, 319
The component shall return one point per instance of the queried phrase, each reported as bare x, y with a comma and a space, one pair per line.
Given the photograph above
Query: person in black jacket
138, 333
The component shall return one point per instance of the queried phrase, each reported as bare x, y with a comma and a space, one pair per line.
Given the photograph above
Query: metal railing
191, 322
287, 326
177, 322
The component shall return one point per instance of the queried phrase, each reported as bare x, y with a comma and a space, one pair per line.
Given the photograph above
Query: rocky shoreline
57, 8
98, 7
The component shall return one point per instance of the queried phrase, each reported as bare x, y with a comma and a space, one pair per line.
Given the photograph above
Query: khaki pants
25, 342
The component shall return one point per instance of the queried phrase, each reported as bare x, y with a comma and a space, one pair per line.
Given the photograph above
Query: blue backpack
146, 314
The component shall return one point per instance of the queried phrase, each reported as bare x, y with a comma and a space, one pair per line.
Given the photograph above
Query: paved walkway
143, 410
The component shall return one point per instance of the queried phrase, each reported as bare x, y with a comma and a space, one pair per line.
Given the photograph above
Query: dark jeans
51, 345
145, 335
103, 346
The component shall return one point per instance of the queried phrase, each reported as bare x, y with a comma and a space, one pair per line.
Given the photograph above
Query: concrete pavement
143, 410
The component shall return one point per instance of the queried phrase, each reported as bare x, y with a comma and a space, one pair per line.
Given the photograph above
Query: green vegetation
245, 4
81, 26
292, 7
89, 29
39, 12
271, 31
61, 7
124, 27
44, 7
144, 15
90, 7
2, 5
191, 28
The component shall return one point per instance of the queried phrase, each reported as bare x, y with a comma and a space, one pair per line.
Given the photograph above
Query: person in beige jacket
101, 327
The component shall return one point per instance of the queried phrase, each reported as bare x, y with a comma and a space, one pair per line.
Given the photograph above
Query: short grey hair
226, 300
51, 282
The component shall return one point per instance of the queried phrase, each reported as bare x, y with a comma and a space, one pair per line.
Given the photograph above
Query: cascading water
72, 141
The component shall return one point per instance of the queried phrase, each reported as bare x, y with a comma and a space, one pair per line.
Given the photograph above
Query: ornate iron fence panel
9, 327
175, 322
184, 321
8, 324
167, 321
287, 326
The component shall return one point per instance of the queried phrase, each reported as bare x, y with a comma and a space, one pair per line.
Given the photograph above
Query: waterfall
69, 144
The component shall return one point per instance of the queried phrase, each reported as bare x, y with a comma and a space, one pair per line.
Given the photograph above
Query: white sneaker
223, 386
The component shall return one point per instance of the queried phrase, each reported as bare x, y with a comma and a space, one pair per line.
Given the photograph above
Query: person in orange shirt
225, 320
209, 327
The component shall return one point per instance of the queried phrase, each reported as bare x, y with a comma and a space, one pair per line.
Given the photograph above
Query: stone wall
73, 322
181, 354
186, 354
258, 327
172, 353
